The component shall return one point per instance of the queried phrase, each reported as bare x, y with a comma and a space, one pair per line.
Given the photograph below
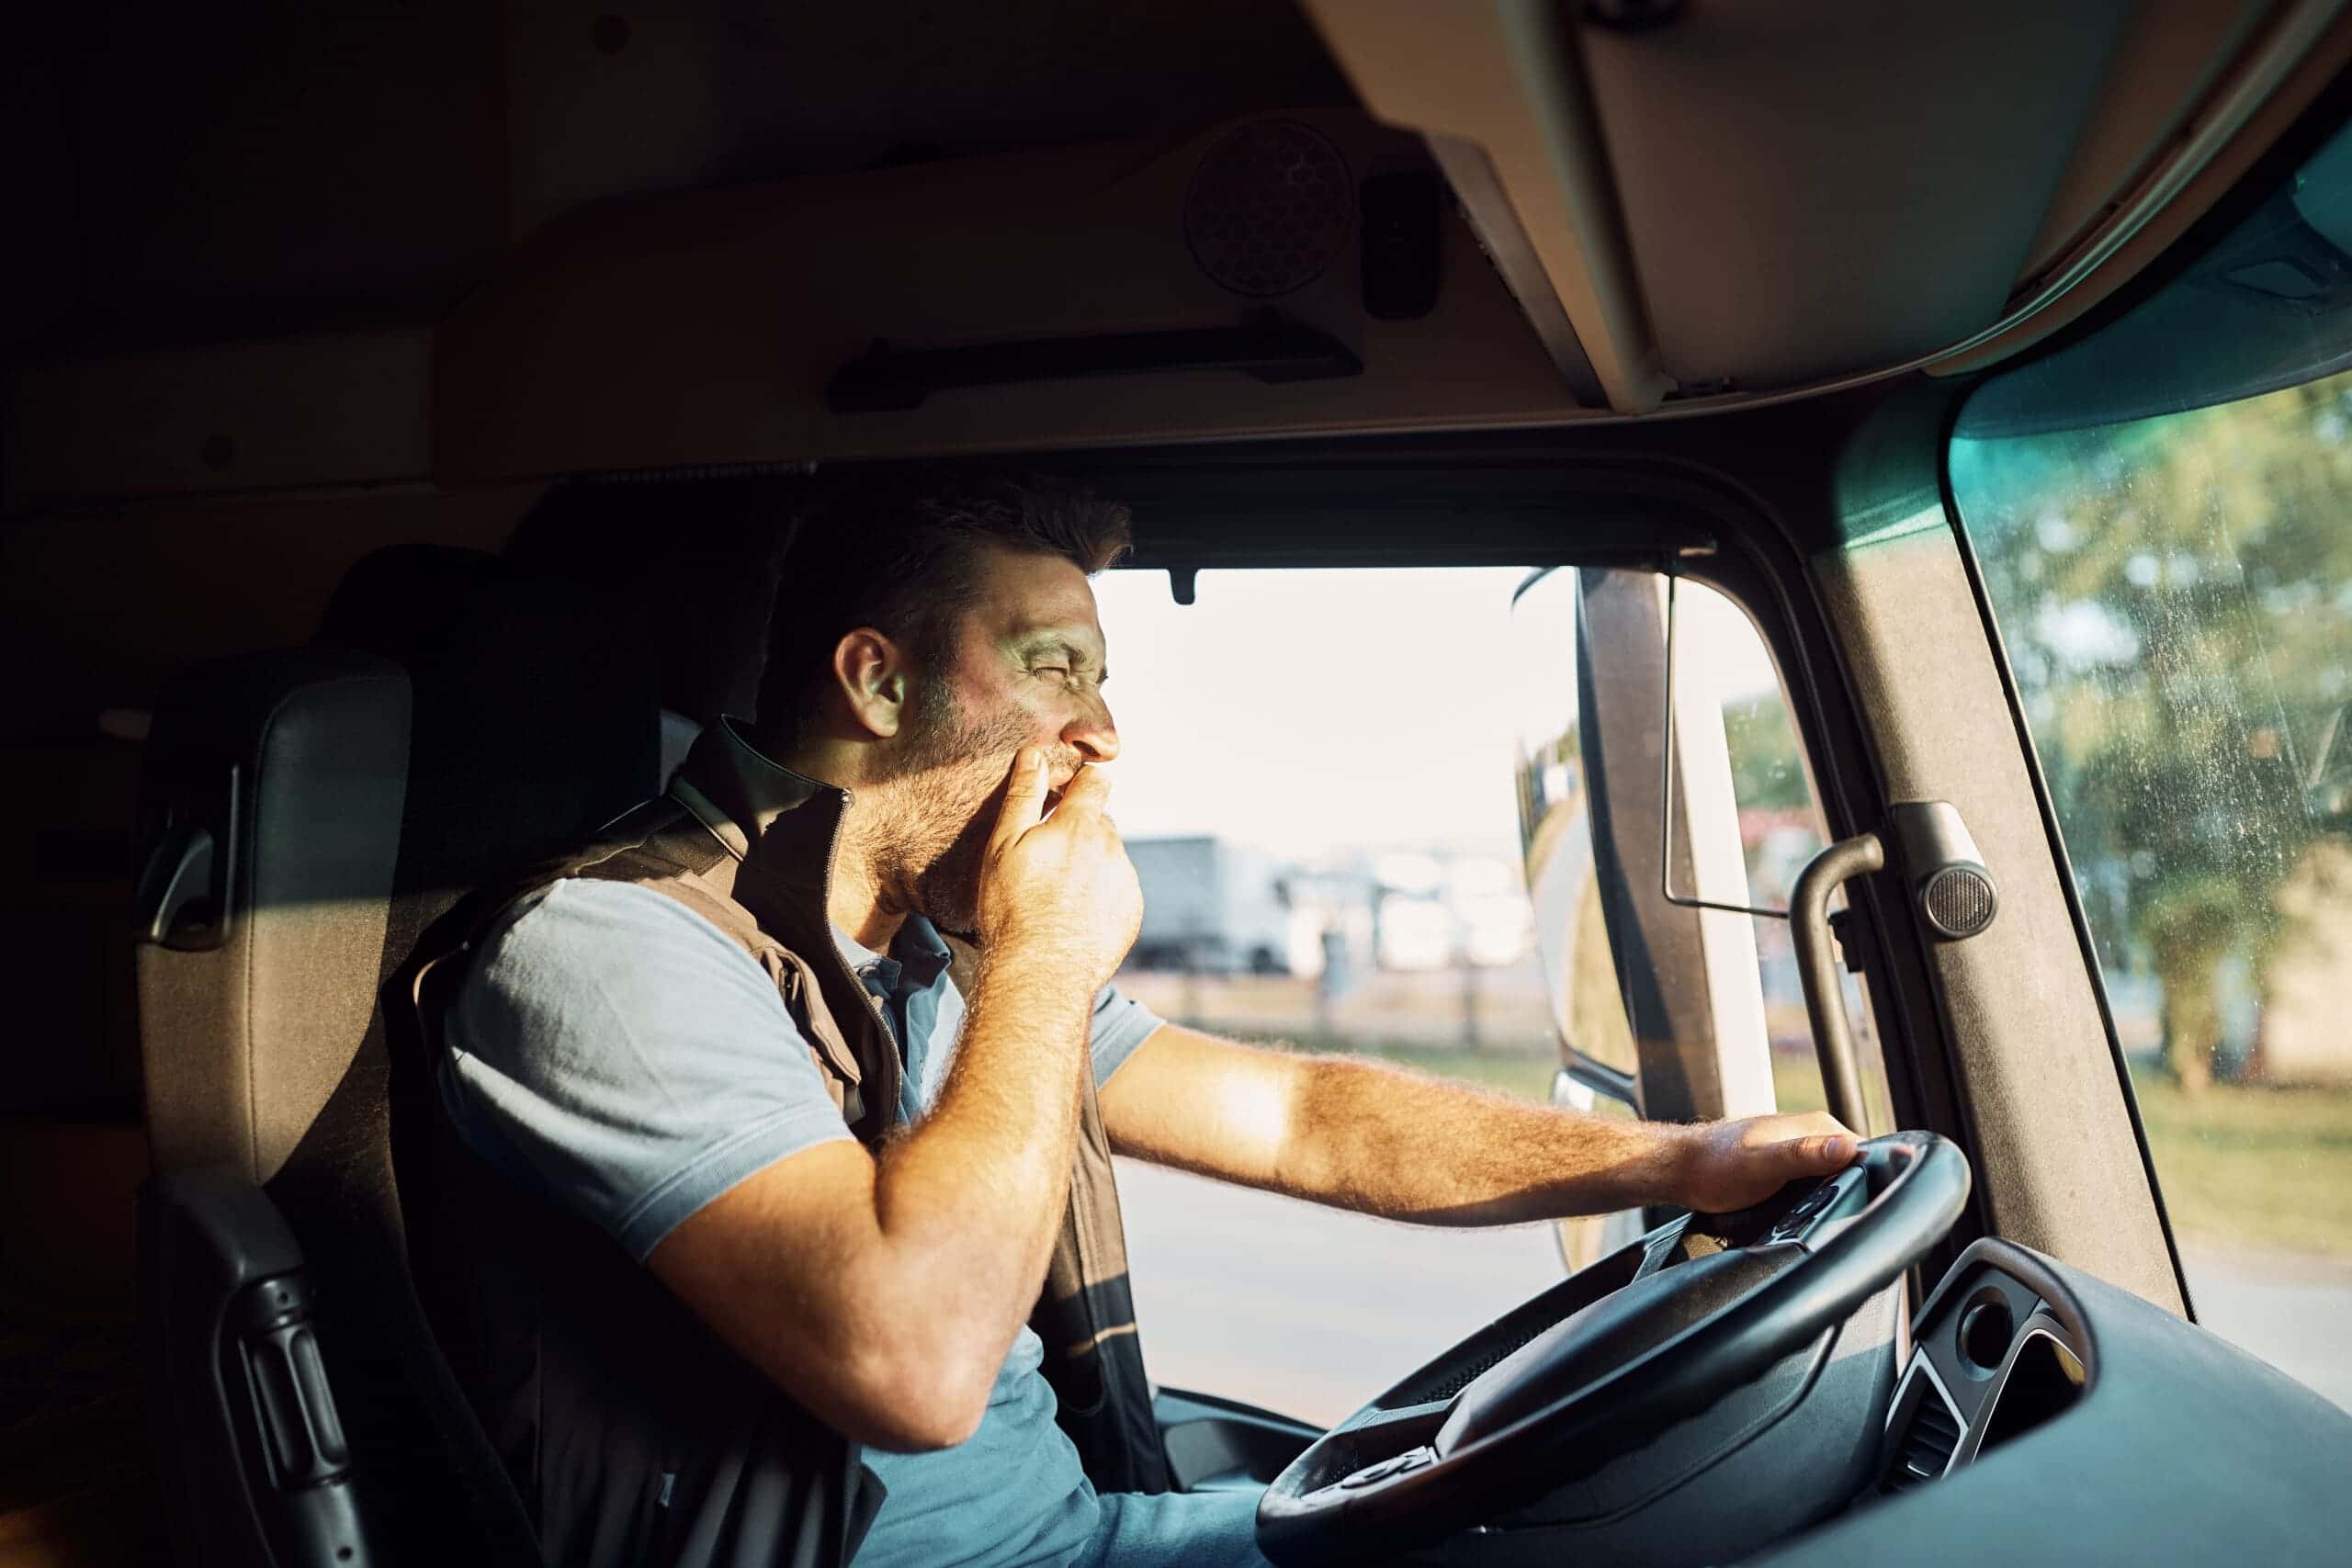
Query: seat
306, 816
691, 564
302, 1412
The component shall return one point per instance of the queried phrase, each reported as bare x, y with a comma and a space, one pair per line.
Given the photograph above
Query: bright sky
1306, 711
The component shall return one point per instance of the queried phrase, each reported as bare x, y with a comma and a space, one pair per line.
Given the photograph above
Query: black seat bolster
237, 1384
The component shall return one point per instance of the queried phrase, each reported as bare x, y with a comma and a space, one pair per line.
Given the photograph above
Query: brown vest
634, 1434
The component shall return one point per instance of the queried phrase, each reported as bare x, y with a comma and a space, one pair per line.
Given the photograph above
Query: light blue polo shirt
619, 1054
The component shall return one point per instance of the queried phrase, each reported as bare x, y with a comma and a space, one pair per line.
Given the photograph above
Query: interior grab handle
1817, 950
1269, 347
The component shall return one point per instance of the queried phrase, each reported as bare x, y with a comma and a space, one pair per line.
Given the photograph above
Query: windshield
2174, 591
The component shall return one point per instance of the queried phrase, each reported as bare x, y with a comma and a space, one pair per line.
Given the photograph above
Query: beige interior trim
1504, 74
2307, 43
1478, 191
2058, 1162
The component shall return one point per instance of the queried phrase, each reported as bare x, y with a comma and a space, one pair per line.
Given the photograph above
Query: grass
2252, 1166
2243, 1165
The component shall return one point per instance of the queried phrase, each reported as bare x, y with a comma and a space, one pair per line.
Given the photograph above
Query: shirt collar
917, 954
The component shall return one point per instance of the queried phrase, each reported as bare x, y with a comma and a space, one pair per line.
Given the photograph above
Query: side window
1322, 813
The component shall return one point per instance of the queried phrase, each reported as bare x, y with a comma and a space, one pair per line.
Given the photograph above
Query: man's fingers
1088, 792
1821, 1153
1025, 796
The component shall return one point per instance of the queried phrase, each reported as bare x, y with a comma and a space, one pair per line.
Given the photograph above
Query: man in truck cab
758, 1204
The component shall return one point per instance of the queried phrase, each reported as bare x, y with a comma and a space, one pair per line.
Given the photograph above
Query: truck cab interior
399, 403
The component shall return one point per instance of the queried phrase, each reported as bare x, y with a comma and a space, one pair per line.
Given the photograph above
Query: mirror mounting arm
1817, 965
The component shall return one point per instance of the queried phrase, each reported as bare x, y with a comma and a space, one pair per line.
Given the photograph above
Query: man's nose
1095, 736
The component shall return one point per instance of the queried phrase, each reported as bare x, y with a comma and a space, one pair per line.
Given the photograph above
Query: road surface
1310, 1312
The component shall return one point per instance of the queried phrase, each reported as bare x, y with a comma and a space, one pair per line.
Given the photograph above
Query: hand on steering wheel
1557, 1388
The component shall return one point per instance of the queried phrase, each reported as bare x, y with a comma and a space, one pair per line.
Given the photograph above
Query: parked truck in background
1211, 907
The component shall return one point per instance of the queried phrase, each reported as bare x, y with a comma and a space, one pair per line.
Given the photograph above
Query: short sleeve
624, 1057
1121, 1024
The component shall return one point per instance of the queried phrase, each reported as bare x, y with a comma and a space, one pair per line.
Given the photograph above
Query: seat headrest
536, 714
268, 826
693, 560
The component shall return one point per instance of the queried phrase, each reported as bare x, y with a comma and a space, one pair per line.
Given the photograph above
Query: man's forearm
1372, 1136
973, 1194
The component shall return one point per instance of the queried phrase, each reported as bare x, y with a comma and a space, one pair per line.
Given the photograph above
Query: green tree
2176, 595
1766, 769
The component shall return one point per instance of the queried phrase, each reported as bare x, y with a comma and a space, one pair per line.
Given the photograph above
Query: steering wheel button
1377, 1472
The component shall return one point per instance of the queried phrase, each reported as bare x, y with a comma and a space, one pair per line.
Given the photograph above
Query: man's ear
870, 670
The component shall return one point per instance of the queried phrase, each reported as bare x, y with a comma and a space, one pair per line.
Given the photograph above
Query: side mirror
1639, 877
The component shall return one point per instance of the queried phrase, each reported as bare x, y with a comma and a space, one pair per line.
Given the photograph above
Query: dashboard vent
1926, 1446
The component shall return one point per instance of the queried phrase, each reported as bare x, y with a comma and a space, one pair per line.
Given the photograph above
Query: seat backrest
269, 822
269, 825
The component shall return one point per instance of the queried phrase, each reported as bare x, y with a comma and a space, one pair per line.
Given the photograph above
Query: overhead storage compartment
1302, 272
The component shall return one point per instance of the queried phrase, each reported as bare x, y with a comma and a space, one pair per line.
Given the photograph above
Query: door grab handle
1595, 1078
1825, 1000
1269, 347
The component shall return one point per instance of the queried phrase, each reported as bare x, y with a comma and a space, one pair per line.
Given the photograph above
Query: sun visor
1295, 272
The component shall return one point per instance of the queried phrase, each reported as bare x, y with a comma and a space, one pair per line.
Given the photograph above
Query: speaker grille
1269, 208
1957, 900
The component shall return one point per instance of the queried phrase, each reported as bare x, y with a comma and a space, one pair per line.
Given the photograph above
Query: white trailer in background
1210, 907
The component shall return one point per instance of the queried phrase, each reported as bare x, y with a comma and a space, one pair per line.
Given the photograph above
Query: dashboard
2080, 1423
2028, 1412
1991, 1361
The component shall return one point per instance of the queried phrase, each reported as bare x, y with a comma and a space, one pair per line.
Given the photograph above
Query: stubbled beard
943, 798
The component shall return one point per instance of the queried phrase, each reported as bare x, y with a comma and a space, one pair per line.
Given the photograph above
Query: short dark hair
897, 548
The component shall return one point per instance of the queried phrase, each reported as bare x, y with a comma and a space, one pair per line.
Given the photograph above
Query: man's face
1025, 667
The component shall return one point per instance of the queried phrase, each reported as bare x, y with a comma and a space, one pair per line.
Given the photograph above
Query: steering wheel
1609, 1359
